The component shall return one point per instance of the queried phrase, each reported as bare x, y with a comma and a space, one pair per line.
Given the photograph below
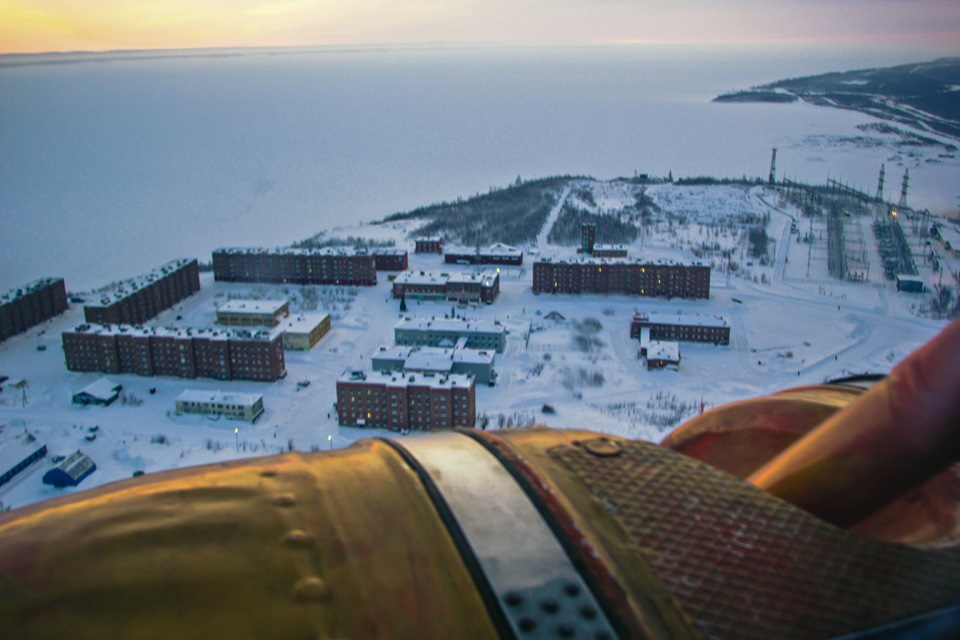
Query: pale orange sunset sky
95, 25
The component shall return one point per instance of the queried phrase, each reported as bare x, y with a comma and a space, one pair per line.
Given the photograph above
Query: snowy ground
791, 324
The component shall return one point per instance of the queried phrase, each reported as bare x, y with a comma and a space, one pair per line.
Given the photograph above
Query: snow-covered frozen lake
111, 167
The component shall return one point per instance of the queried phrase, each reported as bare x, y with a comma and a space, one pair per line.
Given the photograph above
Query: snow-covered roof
496, 249
102, 389
220, 397
290, 251
663, 350
221, 333
303, 322
452, 325
17, 449
950, 234
132, 285
486, 278
19, 292
408, 379
253, 306
387, 251
617, 261
682, 320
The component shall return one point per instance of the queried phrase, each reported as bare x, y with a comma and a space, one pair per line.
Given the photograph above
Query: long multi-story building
630, 277
139, 299
452, 287
447, 332
224, 354
498, 254
327, 266
681, 328
429, 245
422, 401
31, 304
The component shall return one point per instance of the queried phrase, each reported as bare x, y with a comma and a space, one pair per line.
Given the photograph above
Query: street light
236, 433
330, 441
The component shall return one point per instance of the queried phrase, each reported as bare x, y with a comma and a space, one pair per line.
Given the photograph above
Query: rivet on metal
298, 538
284, 500
268, 473
311, 589
603, 447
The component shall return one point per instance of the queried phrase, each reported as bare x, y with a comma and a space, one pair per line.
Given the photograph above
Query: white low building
302, 331
233, 406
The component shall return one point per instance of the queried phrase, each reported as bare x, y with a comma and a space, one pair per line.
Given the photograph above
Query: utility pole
883, 173
772, 179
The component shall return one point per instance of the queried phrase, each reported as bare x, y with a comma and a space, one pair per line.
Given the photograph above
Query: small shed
661, 354
910, 284
71, 472
18, 454
103, 392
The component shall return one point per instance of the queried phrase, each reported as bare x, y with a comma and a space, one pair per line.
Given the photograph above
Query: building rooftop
497, 249
663, 350
387, 251
287, 251
132, 285
27, 289
485, 278
102, 389
302, 322
586, 260
220, 397
14, 450
409, 379
698, 320
220, 333
253, 306
452, 325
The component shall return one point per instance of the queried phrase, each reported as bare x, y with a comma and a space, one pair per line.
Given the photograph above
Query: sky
35, 26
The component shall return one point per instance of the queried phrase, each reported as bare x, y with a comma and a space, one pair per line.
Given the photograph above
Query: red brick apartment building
31, 304
593, 275
396, 400
139, 299
224, 354
336, 266
429, 245
387, 259
680, 328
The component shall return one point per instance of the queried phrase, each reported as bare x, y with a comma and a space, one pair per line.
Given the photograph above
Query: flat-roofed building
139, 299
433, 332
495, 254
475, 362
390, 259
429, 245
31, 304
681, 327
301, 332
224, 354
326, 266
18, 453
233, 406
630, 277
253, 313
460, 287
394, 400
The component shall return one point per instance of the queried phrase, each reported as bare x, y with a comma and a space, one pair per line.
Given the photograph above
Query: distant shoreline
925, 96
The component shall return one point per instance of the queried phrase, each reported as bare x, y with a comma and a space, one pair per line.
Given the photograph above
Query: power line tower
772, 179
883, 173
902, 204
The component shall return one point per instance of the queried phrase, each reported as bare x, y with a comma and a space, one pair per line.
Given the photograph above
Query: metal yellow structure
520, 534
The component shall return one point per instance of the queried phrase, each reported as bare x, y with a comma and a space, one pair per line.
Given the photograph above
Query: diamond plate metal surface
743, 564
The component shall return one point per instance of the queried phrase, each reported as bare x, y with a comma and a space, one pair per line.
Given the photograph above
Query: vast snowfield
791, 324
